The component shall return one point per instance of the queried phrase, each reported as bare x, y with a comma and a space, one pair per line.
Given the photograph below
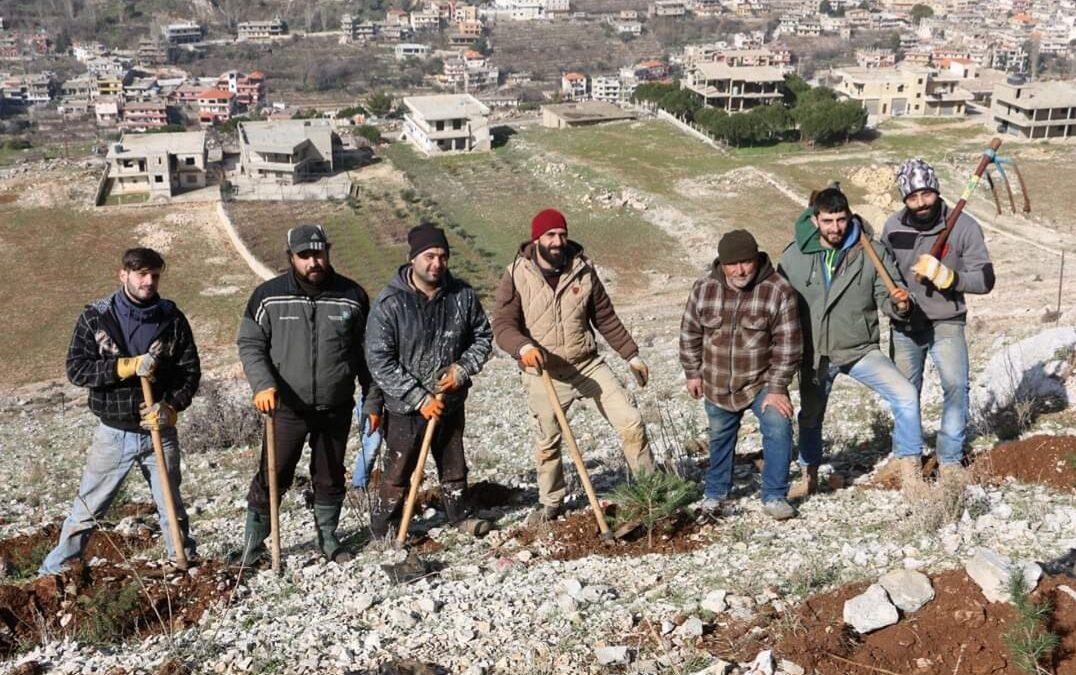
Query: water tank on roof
118, 148
1015, 80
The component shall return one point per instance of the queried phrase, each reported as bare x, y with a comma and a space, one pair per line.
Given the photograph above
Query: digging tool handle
577, 456
868, 249
416, 480
938, 250
166, 483
274, 491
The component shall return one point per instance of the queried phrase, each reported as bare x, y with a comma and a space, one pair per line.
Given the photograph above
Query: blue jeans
111, 456
876, 372
949, 351
364, 460
776, 449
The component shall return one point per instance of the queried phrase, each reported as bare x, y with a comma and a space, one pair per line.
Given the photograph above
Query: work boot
326, 518
806, 485
910, 470
779, 509
954, 473
458, 510
255, 532
544, 514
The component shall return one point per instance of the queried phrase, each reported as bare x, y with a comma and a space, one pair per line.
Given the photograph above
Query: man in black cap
300, 342
740, 345
427, 336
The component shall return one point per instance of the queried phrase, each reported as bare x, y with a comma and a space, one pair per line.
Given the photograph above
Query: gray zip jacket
410, 340
965, 254
309, 348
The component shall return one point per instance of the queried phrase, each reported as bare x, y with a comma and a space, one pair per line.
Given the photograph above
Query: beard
927, 216
313, 275
555, 257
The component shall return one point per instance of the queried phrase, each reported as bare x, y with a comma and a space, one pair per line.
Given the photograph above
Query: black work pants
327, 432
403, 440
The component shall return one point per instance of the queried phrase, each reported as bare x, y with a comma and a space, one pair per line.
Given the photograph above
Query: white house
446, 123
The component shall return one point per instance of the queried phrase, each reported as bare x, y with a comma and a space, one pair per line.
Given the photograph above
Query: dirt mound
104, 603
483, 494
576, 536
1048, 460
958, 631
21, 556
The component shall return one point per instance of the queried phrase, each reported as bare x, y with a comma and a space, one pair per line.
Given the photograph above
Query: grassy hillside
61, 258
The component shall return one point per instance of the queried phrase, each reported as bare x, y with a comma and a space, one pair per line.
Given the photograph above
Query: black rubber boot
256, 531
326, 518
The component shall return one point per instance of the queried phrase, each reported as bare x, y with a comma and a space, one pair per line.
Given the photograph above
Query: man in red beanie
548, 303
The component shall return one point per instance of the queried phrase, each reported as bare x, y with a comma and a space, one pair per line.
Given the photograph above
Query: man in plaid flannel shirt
118, 340
740, 345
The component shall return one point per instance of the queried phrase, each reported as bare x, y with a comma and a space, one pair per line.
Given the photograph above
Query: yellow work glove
158, 416
265, 400
930, 268
640, 370
432, 408
142, 366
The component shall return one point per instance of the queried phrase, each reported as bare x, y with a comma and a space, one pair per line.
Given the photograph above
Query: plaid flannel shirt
738, 342
97, 344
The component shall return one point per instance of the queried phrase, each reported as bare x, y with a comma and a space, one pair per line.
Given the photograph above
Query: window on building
440, 125
158, 179
189, 161
457, 124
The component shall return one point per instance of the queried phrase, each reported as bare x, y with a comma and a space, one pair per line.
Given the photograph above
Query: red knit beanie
549, 219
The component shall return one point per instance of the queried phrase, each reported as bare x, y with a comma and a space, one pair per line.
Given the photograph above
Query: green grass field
492, 197
48, 284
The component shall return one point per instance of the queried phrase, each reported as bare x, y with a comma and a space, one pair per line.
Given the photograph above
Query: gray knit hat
915, 175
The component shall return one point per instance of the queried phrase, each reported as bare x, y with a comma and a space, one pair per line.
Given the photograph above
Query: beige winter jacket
528, 311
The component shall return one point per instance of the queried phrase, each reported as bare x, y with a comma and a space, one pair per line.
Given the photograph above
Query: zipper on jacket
314, 362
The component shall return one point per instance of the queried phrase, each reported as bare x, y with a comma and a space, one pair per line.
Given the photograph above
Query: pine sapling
1029, 641
652, 498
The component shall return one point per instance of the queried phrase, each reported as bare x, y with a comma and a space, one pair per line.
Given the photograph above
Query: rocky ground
743, 592
514, 601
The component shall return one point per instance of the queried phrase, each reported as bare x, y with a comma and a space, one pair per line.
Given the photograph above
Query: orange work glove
374, 420
901, 301
432, 408
265, 400
533, 358
451, 379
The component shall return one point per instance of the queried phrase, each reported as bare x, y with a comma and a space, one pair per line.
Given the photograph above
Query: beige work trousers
595, 382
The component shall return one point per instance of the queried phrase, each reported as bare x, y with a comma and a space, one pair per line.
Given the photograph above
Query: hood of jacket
809, 239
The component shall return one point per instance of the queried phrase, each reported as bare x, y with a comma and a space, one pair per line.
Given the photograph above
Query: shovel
577, 457
274, 492
166, 483
416, 481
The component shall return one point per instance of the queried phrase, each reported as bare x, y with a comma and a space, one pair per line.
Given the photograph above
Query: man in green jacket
840, 293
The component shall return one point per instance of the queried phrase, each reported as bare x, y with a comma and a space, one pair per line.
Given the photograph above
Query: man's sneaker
709, 510
544, 514
779, 509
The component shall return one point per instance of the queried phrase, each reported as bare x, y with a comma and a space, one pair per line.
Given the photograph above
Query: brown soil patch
105, 603
1047, 460
20, 556
957, 632
483, 495
577, 536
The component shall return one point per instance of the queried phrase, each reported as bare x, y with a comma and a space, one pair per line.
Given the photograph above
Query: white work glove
640, 370
929, 267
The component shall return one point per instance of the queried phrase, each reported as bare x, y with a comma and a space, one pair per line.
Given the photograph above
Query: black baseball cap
302, 238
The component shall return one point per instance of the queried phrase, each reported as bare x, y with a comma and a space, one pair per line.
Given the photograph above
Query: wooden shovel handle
416, 480
166, 482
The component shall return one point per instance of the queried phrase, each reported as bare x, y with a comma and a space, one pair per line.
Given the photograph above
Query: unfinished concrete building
734, 88
160, 165
446, 123
1035, 109
288, 151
